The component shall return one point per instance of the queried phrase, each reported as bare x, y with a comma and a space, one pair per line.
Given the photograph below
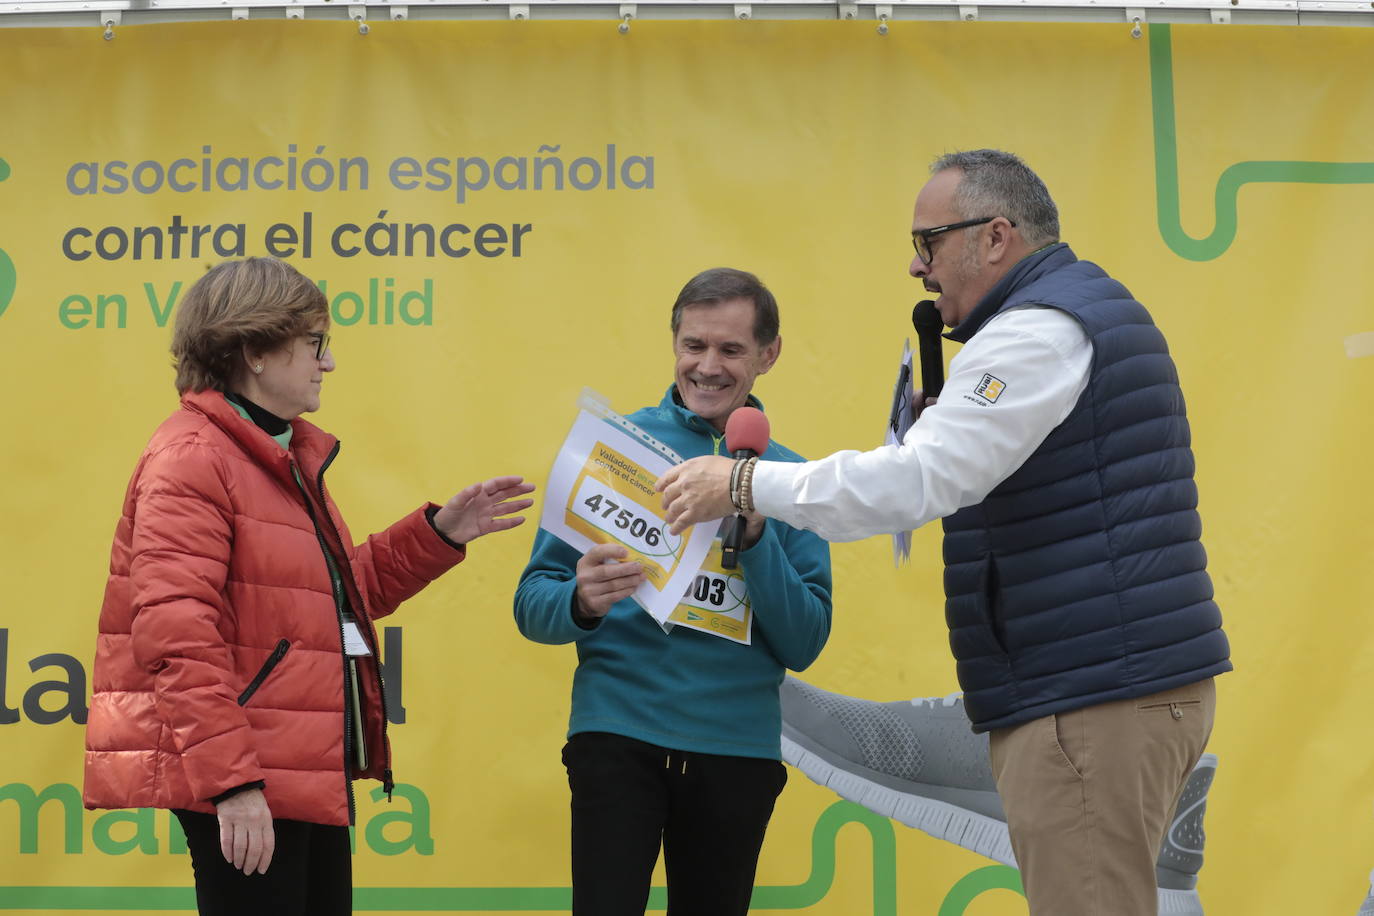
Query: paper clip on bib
598, 406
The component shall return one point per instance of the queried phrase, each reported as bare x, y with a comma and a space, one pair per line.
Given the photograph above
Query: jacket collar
674, 407
310, 444
1026, 271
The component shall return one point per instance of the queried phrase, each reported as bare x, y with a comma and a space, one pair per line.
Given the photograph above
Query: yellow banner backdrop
502, 213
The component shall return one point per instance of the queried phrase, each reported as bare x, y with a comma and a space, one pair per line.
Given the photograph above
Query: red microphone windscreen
747, 430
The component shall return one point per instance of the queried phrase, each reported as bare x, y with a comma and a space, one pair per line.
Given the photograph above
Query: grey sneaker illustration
1180, 858
918, 762
1367, 908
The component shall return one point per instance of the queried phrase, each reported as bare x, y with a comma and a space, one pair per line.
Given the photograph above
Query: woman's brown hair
259, 303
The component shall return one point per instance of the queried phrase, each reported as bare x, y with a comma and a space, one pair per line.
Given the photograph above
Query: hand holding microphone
701, 489
746, 436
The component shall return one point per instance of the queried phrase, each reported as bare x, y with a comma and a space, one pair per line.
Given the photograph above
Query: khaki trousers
1088, 794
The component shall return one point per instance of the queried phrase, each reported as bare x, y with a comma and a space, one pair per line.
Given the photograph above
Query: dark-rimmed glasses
321, 342
920, 238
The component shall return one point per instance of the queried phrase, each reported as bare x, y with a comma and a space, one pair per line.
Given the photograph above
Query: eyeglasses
920, 238
321, 342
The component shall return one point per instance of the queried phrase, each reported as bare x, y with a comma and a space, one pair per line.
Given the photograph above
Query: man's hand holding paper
602, 579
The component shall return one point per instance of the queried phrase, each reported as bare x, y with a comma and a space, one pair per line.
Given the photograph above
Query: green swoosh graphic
8, 279
521, 899
823, 864
993, 877
1229, 184
7, 272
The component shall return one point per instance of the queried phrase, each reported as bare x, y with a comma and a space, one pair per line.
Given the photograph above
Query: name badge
354, 645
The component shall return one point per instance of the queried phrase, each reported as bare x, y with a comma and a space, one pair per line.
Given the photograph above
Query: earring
258, 369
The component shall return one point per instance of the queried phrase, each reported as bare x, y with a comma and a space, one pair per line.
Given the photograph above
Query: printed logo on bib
990, 388
717, 602
612, 502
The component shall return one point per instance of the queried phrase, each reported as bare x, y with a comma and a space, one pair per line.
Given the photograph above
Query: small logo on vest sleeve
990, 388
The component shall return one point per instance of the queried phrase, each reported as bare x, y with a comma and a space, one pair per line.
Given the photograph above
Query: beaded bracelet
746, 486
734, 483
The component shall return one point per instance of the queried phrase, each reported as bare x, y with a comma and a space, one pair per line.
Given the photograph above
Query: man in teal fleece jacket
674, 737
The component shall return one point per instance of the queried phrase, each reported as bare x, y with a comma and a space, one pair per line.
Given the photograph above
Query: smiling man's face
718, 358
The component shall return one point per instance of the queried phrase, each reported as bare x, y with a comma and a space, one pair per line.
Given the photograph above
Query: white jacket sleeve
1008, 388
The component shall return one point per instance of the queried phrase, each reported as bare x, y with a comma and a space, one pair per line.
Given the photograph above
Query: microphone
746, 436
929, 326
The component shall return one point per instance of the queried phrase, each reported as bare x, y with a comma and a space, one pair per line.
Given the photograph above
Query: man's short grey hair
995, 183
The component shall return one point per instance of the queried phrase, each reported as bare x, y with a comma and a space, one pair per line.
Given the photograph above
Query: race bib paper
601, 491
716, 602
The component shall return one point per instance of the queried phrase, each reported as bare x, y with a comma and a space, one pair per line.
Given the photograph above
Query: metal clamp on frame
108, 20
1135, 16
358, 13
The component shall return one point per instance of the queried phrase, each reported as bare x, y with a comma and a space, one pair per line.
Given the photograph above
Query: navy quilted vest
1081, 578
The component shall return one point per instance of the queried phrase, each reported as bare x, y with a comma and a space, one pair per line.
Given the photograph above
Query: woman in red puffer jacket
236, 678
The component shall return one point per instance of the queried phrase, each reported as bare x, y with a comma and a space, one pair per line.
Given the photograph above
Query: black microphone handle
733, 537
730, 541
926, 319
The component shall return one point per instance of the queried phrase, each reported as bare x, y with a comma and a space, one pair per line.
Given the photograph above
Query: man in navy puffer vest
1079, 606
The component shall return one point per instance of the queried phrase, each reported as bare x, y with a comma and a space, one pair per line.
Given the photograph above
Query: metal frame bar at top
109, 14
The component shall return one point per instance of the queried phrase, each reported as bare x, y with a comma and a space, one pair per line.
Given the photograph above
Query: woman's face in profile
291, 378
